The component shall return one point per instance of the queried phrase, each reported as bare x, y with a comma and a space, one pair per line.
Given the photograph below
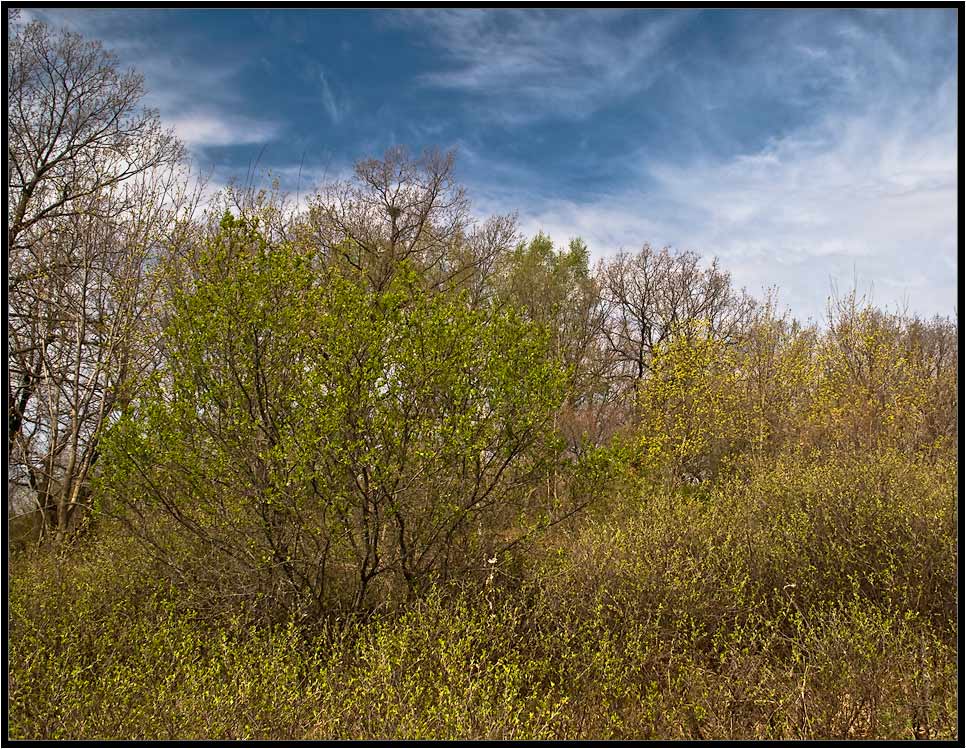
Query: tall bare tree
94, 184
75, 127
401, 208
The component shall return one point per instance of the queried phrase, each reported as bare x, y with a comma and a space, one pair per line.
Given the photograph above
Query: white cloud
333, 108
211, 129
531, 64
870, 198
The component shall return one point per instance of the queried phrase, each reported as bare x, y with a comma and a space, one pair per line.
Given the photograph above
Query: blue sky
798, 146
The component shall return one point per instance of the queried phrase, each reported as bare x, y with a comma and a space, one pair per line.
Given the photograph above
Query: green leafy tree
556, 289
318, 438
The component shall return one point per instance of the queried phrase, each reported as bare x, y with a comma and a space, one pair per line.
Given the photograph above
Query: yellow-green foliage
775, 558
871, 389
692, 416
99, 651
870, 381
808, 597
835, 573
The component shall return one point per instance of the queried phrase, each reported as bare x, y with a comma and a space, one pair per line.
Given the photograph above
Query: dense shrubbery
804, 588
751, 613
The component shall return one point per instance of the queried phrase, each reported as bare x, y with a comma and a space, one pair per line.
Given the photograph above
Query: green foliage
692, 415
313, 434
546, 282
342, 508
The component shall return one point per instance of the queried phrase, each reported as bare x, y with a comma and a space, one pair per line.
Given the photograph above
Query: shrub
314, 439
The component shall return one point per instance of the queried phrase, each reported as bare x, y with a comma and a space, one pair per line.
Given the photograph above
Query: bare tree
933, 346
74, 128
94, 184
653, 295
399, 209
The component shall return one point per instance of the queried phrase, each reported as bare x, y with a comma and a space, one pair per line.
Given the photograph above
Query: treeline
375, 467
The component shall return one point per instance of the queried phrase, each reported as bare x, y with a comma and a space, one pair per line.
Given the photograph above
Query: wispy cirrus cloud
334, 108
856, 198
798, 146
849, 174
538, 63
